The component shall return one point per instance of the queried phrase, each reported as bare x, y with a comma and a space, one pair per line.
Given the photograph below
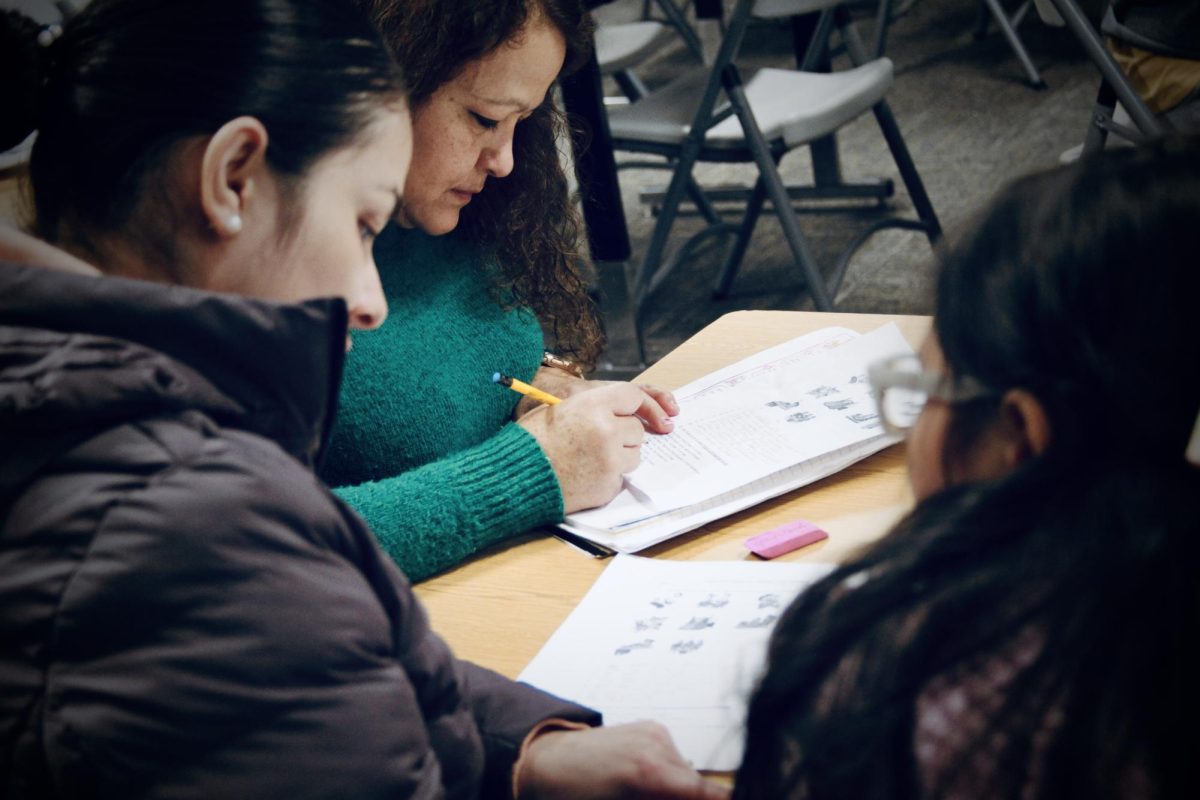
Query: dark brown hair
527, 219
129, 80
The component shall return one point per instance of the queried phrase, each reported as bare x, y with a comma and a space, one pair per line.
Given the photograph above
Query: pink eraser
785, 539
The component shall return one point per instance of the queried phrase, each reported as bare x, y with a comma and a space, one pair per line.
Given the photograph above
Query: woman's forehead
517, 74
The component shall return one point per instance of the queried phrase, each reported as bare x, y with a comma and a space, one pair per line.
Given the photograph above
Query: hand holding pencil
525, 389
657, 409
591, 440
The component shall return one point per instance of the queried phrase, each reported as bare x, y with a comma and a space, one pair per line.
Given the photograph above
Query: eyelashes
367, 232
485, 122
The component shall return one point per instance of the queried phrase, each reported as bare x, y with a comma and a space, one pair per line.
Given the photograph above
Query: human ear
1027, 426
232, 160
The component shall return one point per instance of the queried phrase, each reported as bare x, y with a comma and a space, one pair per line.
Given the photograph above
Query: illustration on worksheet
626, 649
665, 600
697, 624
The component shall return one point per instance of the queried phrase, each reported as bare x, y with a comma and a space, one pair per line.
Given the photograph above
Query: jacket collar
270, 368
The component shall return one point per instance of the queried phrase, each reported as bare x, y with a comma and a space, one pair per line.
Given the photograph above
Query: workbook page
765, 421
646, 527
678, 642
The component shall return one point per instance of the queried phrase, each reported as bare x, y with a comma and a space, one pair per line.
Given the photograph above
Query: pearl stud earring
233, 223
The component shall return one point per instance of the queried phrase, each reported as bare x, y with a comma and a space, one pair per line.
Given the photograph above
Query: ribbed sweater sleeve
434, 516
424, 446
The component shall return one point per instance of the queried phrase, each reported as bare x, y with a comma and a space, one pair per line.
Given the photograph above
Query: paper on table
783, 416
627, 506
680, 642
793, 352
833, 424
658, 527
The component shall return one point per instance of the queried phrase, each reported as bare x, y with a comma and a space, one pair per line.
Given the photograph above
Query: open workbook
780, 419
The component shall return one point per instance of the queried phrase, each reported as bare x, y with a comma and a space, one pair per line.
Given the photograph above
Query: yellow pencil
525, 388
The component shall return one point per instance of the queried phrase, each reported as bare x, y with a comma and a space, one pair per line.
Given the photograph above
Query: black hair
526, 220
1030, 635
129, 80
21, 62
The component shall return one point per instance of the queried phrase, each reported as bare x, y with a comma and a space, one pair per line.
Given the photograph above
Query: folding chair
622, 46
1008, 25
759, 121
1114, 86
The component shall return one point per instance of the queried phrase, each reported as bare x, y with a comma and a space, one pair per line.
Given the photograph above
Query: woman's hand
557, 382
634, 760
656, 410
592, 439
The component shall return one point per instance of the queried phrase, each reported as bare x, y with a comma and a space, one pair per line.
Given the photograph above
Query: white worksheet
777, 418
647, 526
773, 422
679, 642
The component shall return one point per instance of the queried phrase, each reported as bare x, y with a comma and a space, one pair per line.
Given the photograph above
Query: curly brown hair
527, 220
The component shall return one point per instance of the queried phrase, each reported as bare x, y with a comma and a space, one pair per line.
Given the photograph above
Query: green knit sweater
424, 447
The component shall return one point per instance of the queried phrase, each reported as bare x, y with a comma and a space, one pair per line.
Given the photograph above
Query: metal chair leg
675, 18
630, 85
651, 262
701, 201
647, 275
1010, 33
883, 18
797, 243
908, 170
733, 261
1078, 24
1102, 112
895, 140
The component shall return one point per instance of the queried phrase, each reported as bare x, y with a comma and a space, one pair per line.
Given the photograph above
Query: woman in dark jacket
185, 610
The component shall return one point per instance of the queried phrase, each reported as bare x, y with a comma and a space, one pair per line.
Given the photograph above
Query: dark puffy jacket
185, 611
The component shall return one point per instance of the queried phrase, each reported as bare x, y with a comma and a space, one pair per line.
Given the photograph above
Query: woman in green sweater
439, 460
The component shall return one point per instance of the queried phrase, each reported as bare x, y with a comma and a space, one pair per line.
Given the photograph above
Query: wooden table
499, 608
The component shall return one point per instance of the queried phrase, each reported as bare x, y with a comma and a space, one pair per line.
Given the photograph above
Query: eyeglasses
902, 387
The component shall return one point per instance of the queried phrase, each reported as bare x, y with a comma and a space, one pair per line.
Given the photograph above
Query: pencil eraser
785, 539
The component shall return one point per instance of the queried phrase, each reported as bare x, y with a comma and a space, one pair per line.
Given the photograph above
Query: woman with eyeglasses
1026, 631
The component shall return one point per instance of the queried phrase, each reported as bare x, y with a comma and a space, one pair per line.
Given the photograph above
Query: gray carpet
971, 122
